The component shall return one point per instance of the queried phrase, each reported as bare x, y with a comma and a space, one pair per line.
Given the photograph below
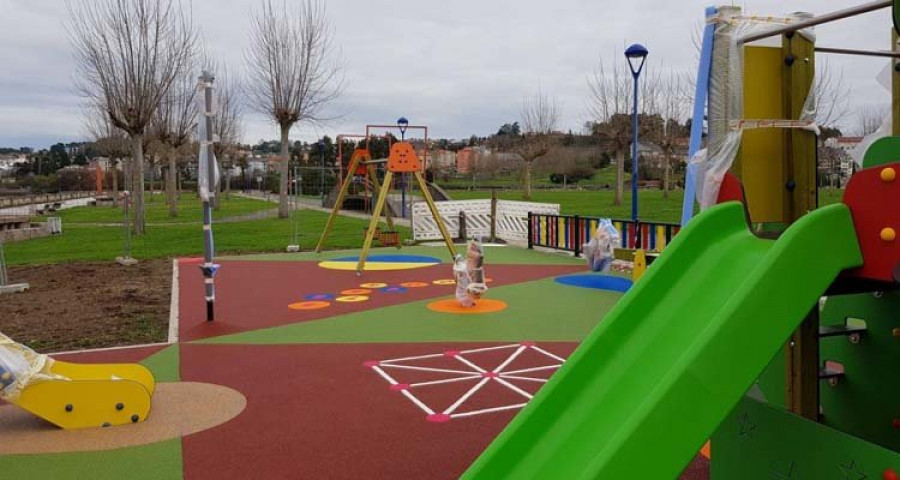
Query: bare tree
870, 118
539, 116
608, 104
108, 140
227, 123
294, 72
669, 97
832, 96
172, 128
128, 53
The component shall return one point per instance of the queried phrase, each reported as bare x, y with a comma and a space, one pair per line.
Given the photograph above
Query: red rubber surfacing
314, 411
254, 295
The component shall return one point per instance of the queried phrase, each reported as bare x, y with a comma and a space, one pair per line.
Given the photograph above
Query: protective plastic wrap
599, 250
726, 97
469, 274
21, 366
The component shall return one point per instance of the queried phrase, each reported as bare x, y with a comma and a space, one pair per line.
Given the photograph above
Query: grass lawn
96, 243
190, 210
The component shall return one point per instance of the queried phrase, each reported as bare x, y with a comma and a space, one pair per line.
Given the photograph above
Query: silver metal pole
208, 268
826, 18
4, 277
865, 53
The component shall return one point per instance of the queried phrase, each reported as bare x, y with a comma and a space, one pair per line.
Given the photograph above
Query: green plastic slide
644, 391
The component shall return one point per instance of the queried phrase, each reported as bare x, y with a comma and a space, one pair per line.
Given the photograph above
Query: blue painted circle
391, 259
320, 296
393, 289
600, 282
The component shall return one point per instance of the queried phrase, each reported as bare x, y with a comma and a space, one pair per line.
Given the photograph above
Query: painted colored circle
352, 298
888, 234
381, 262
414, 284
393, 290
451, 305
888, 174
308, 305
320, 296
373, 285
445, 281
356, 291
599, 282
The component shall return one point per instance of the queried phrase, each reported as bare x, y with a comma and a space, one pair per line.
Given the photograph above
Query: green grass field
98, 243
190, 210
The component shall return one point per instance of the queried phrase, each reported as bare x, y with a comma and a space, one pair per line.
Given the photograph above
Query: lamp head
636, 53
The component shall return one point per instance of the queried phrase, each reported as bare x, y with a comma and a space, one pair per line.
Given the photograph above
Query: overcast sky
460, 66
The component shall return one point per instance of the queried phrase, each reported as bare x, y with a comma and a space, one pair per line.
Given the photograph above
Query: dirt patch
88, 305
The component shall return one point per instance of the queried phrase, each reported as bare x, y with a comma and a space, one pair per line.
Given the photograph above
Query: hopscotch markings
476, 372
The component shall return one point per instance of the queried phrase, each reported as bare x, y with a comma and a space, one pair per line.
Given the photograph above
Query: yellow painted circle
445, 281
451, 305
414, 284
373, 285
352, 298
888, 234
374, 266
310, 305
356, 291
888, 174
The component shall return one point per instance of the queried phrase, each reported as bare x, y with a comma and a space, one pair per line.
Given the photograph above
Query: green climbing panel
882, 151
866, 401
758, 441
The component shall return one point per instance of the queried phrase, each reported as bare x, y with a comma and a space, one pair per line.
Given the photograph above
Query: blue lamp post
635, 53
402, 123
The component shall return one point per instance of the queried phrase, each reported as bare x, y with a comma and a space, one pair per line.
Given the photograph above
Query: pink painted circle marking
438, 418
399, 387
452, 353
371, 363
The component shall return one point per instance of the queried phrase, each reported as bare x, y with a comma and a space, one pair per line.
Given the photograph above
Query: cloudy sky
460, 66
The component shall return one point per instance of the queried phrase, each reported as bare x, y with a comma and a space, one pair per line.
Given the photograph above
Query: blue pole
634, 156
700, 99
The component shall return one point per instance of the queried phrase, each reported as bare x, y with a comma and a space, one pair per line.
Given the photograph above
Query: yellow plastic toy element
640, 265
74, 404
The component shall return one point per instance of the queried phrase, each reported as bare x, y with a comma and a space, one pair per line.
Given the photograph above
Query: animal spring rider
469, 273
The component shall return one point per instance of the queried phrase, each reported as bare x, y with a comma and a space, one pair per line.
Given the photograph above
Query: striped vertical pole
208, 268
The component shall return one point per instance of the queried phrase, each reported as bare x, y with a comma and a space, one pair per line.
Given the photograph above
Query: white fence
511, 222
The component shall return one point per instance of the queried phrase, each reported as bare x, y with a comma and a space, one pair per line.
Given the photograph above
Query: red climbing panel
363, 155
403, 158
873, 195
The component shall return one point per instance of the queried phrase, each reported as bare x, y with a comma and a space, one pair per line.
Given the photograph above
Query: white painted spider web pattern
505, 374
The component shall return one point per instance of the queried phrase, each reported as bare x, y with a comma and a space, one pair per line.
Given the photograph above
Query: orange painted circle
375, 285
451, 305
356, 291
311, 305
445, 281
414, 284
352, 298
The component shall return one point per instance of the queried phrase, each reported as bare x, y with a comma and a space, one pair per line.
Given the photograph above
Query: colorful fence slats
570, 232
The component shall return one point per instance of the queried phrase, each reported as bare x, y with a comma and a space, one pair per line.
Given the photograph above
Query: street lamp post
322, 180
636, 52
402, 123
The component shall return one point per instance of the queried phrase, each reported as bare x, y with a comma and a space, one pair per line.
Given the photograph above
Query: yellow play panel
382, 262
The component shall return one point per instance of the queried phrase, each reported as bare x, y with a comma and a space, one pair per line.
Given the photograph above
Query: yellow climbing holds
888, 174
888, 234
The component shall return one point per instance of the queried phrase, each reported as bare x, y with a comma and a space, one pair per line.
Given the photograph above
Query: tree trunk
115, 182
171, 185
283, 211
152, 179
666, 168
137, 146
620, 175
527, 193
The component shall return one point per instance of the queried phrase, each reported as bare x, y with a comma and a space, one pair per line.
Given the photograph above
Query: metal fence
570, 232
